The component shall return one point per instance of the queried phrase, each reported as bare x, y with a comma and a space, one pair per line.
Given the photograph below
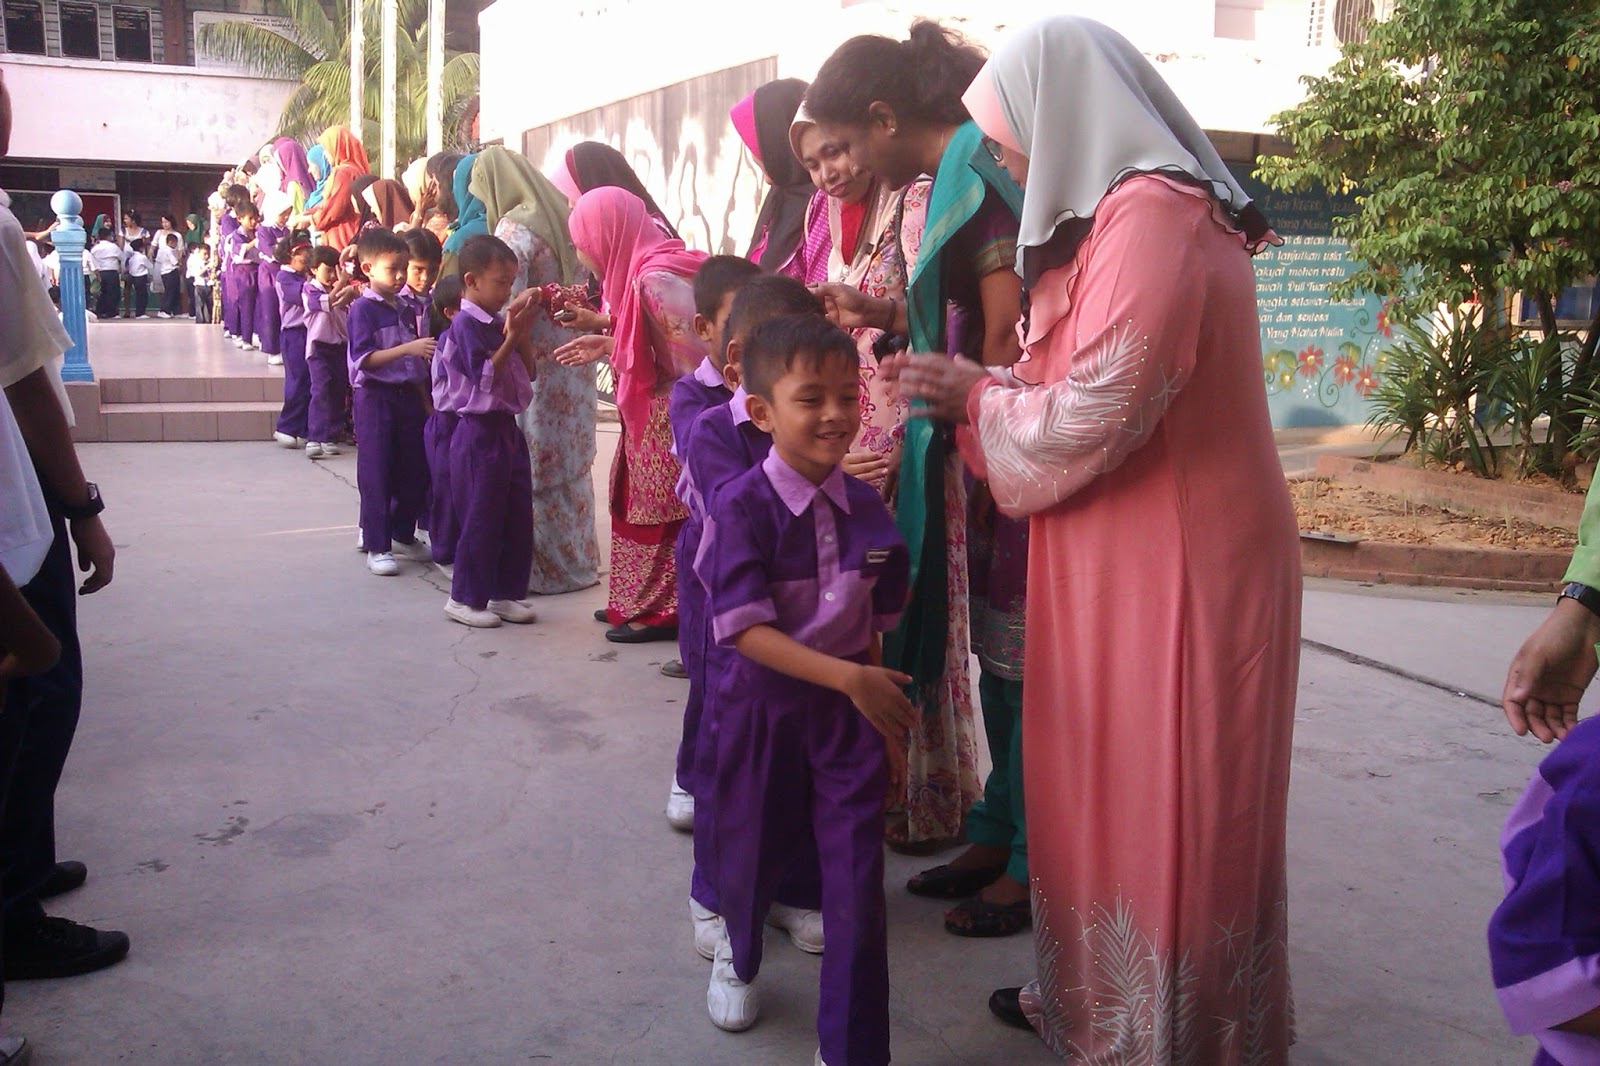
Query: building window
80, 30
131, 32
25, 26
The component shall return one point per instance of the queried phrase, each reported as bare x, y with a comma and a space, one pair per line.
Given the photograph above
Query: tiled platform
172, 380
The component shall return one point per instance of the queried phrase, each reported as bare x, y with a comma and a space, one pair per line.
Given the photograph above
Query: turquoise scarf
966, 173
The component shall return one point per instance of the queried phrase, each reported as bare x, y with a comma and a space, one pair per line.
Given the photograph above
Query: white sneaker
818, 1060
680, 808
361, 545
732, 1004
239, 344
274, 360
330, 449
417, 551
708, 928
250, 346
314, 450
382, 564
804, 927
286, 441
469, 616
517, 612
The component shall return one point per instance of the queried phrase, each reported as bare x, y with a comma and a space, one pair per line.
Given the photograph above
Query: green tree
316, 52
1469, 133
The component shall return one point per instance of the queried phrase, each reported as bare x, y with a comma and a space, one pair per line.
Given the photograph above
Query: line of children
715, 284
326, 296
487, 364
389, 373
804, 569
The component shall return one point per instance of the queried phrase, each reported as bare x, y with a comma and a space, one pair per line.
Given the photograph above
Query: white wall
136, 113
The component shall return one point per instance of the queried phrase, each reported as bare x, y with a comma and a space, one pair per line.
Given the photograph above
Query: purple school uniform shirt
473, 385
1544, 939
823, 564
246, 256
324, 324
417, 304
291, 286
374, 325
723, 444
439, 384
692, 395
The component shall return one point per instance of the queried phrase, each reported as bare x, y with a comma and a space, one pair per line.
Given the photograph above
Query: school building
670, 71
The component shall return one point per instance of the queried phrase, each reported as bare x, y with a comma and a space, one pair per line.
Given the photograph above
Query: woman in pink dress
1164, 617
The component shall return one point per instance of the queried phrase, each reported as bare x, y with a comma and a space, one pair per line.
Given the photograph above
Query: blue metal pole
69, 238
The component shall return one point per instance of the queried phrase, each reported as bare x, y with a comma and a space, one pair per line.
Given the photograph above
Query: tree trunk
1561, 428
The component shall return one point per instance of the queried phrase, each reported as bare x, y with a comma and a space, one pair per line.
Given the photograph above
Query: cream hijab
1088, 110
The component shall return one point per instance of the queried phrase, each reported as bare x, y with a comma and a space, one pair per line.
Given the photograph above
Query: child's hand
876, 692
869, 467
422, 346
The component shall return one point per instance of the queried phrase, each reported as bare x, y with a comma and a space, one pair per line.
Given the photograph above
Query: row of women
1077, 450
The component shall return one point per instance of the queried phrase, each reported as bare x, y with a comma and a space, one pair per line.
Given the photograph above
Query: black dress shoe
674, 668
63, 879
602, 615
628, 634
1006, 1004
56, 947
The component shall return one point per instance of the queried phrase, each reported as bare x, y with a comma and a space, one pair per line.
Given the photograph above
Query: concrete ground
340, 829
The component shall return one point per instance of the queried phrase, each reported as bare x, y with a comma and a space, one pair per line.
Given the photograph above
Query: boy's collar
797, 491
474, 311
370, 293
741, 410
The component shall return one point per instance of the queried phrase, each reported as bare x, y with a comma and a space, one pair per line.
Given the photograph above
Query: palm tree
316, 52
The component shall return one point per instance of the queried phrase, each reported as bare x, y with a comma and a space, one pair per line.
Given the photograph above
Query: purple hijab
292, 161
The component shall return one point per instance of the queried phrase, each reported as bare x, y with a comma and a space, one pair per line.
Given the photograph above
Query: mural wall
685, 150
1321, 358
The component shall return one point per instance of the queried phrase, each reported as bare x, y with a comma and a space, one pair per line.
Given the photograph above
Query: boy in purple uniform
692, 395
288, 292
805, 568
389, 371
488, 381
723, 444
227, 244
424, 254
242, 272
327, 298
269, 311
443, 525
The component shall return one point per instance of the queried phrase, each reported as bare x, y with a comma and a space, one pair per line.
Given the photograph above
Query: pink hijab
614, 230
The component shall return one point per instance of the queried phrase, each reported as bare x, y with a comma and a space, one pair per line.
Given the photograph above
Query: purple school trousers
328, 383
443, 525
391, 466
296, 383
491, 482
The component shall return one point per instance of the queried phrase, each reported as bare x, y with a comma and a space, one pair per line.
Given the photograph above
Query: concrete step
195, 421
247, 388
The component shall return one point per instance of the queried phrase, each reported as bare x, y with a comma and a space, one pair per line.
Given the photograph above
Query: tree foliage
316, 53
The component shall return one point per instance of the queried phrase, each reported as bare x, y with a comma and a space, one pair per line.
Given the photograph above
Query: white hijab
1088, 110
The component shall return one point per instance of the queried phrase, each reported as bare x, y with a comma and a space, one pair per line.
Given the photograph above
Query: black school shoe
56, 947
63, 879
1006, 1004
626, 634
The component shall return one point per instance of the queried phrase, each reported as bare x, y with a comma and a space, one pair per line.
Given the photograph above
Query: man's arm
44, 429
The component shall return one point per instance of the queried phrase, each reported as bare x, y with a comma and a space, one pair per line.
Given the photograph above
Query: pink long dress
1163, 628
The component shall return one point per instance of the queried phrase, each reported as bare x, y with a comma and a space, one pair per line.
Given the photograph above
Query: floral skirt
645, 516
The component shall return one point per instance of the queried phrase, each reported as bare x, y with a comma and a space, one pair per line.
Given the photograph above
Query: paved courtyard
341, 829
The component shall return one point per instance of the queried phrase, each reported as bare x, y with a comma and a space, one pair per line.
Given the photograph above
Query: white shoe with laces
732, 1004
286, 441
314, 450
382, 564
708, 929
470, 616
680, 808
417, 551
517, 612
330, 449
804, 927
274, 360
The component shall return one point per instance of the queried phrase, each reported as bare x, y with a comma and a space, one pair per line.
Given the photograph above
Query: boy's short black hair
420, 244
482, 251
324, 255
716, 278
246, 210
766, 297
234, 195
172, 238
204, 246
777, 344
447, 294
137, 244
377, 243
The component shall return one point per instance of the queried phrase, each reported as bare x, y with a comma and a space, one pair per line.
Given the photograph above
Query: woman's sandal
977, 917
626, 633
949, 882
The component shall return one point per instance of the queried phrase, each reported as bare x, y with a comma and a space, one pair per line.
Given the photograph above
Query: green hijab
510, 188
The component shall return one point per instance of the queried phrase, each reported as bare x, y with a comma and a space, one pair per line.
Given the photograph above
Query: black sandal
977, 917
1006, 1004
626, 634
949, 882
603, 616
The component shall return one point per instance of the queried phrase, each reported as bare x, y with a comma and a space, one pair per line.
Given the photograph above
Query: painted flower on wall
1310, 361
1366, 380
1344, 369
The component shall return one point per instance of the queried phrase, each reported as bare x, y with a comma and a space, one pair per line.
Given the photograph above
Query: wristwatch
1585, 595
93, 505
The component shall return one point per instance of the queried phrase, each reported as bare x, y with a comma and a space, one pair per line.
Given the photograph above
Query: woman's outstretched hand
849, 307
582, 350
940, 383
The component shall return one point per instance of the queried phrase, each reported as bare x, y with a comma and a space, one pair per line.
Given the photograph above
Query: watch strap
1589, 597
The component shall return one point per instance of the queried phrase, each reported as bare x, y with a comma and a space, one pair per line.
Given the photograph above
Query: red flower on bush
1366, 380
1310, 361
1344, 369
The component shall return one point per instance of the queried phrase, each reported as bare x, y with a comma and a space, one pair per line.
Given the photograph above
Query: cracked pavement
340, 828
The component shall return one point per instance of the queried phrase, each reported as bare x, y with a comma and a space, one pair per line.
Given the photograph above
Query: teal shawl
472, 217
966, 172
